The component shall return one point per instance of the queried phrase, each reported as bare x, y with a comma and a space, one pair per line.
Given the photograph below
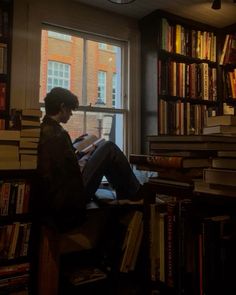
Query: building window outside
102, 46
102, 86
58, 75
59, 36
88, 72
114, 86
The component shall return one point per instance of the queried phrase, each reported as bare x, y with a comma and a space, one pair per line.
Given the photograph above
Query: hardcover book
87, 143
166, 161
226, 154
221, 120
200, 186
220, 176
220, 129
9, 135
190, 143
224, 163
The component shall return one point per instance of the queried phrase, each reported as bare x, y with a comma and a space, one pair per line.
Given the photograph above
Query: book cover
220, 176
2, 96
224, 163
230, 154
32, 113
178, 162
220, 129
200, 186
9, 135
9, 155
28, 145
193, 146
221, 120
30, 123
30, 132
5, 198
191, 138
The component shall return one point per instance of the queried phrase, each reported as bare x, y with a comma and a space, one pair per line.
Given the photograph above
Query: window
102, 46
101, 87
59, 36
80, 66
58, 75
114, 89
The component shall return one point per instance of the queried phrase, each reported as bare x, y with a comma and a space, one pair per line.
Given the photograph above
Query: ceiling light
121, 1
216, 4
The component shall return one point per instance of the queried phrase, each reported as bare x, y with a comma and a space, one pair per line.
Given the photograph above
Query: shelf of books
189, 74
16, 188
191, 225
5, 61
227, 64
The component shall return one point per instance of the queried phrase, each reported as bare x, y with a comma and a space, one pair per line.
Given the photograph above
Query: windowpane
54, 77
94, 75
101, 87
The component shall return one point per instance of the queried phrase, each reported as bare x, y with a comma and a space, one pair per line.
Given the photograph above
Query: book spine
166, 162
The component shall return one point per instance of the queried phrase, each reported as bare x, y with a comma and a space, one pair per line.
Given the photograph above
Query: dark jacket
62, 198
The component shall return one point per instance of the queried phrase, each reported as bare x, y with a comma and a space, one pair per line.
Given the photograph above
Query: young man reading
65, 189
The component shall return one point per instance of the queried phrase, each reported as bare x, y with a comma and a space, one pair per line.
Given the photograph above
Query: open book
87, 143
84, 146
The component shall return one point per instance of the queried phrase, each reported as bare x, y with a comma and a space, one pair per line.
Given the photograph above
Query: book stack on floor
29, 138
9, 149
219, 179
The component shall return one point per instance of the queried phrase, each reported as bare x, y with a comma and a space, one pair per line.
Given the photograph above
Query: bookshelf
227, 68
190, 222
16, 221
182, 80
6, 7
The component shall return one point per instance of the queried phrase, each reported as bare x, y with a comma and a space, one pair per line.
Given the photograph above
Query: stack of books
9, 149
220, 125
29, 138
219, 179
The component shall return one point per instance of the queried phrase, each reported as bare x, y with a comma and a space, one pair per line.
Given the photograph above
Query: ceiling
198, 10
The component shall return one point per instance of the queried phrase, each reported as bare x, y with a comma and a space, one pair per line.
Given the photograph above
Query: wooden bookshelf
16, 221
182, 81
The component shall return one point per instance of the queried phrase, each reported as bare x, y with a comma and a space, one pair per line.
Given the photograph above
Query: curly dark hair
58, 96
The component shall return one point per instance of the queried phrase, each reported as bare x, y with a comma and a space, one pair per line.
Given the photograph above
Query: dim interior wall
27, 22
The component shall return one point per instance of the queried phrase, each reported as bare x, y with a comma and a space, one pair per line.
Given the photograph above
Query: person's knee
109, 146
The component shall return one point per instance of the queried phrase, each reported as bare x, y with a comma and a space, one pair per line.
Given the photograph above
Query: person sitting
65, 189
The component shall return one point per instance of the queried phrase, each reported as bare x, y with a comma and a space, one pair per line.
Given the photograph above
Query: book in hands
87, 143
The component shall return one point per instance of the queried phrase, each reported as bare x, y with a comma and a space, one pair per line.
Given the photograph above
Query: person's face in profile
66, 113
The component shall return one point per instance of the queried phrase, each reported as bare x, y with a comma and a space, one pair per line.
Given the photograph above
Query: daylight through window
93, 68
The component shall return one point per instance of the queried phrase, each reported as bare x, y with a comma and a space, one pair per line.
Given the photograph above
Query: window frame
124, 45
